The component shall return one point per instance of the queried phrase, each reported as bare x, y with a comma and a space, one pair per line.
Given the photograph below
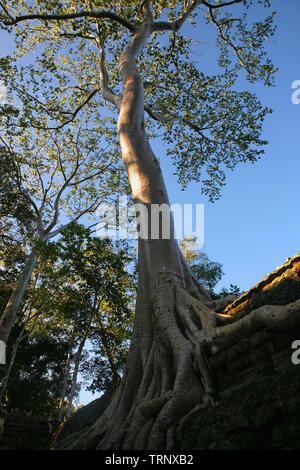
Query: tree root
157, 394
273, 317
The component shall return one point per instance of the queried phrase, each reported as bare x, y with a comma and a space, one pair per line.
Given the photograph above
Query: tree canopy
206, 123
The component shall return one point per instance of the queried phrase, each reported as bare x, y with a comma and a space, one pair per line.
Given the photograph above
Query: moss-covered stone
262, 414
280, 287
21, 431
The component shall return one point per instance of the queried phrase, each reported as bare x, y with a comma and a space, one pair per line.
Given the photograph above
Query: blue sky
255, 225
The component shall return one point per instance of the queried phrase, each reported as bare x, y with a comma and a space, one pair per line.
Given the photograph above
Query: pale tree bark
66, 377
115, 378
74, 379
166, 373
23, 334
9, 315
8, 370
77, 360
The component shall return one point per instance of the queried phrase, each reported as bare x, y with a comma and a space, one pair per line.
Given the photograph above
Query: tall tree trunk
75, 371
66, 377
14, 351
166, 373
115, 378
9, 368
9, 315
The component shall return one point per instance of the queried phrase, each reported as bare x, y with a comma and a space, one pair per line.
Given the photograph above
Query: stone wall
20, 431
258, 386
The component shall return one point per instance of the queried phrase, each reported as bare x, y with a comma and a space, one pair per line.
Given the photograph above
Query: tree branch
6, 11
77, 35
70, 16
106, 92
157, 26
147, 15
176, 25
76, 111
87, 178
73, 114
174, 118
91, 207
225, 39
19, 180
58, 197
220, 5
49, 110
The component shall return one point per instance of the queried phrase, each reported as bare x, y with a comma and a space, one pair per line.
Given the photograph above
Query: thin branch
71, 16
91, 207
157, 26
73, 114
64, 186
58, 197
58, 156
106, 92
147, 15
176, 25
49, 186
44, 105
225, 39
7, 237
78, 35
174, 118
39, 174
19, 179
94, 225
220, 5
90, 177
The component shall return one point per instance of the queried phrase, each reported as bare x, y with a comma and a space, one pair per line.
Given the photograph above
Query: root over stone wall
258, 385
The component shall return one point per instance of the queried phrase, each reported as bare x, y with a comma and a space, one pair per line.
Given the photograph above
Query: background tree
31, 379
16, 218
96, 301
16, 215
207, 125
209, 273
31, 335
51, 177
82, 291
